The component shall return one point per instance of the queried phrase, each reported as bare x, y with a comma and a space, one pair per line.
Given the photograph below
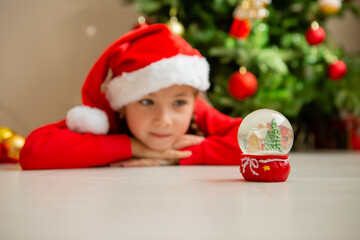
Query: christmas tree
289, 62
273, 138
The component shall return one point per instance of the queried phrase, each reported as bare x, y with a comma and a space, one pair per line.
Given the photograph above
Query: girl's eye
179, 103
146, 102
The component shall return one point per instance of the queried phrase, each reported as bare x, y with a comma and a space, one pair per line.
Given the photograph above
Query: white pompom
84, 119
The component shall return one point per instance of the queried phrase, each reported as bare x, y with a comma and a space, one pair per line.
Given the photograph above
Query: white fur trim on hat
84, 119
180, 69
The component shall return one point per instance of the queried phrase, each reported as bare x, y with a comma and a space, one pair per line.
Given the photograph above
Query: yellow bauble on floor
13, 146
5, 133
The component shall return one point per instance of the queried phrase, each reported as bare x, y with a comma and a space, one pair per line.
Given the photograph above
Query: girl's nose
163, 117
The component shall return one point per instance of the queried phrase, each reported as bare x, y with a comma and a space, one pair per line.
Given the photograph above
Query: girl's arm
55, 146
220, 146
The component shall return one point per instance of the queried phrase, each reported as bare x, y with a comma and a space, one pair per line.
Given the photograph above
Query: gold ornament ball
5, 133
13, 146
329, 6
329, 9
175, 26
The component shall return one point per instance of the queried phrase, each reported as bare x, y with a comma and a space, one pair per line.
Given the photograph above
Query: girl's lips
160, 135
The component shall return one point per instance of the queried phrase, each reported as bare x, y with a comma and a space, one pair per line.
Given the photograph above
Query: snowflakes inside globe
265, 132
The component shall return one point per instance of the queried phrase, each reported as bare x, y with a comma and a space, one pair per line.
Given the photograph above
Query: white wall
46, 53
346, 31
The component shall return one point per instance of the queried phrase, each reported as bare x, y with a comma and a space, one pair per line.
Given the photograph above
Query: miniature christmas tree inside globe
265, 132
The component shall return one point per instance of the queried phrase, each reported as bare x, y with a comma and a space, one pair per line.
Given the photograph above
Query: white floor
320, 200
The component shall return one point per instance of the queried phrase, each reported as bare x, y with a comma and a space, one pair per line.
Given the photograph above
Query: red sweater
55, 146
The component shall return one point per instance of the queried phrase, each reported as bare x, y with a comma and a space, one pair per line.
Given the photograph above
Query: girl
147, 114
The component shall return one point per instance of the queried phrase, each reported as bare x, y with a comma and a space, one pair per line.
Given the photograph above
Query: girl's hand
146, 157
139, 150
145, 162
187, 140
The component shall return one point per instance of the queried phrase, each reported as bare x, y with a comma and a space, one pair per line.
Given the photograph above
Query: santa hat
142, 61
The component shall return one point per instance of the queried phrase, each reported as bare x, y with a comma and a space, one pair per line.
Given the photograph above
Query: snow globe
265, 137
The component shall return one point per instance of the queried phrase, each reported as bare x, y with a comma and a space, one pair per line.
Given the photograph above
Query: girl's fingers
144, 162
116, 164
173, 154
138, 163
130, 163
188, 141
140, 151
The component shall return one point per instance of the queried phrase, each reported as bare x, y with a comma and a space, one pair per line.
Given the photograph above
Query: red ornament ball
240, 28
242, 85
315, 34
337, 70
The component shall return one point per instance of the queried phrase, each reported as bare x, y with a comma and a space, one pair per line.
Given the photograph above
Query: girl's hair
124, 129
193, 128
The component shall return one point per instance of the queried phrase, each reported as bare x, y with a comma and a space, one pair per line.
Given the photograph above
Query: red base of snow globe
265, 168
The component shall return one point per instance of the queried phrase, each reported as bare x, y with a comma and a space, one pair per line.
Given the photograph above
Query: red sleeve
55, 146
220, 146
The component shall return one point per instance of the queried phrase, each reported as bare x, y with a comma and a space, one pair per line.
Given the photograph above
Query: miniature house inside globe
265, 132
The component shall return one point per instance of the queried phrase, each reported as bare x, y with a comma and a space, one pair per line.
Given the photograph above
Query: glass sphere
265, 132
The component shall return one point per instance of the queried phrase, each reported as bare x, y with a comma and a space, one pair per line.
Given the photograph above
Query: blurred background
47, 48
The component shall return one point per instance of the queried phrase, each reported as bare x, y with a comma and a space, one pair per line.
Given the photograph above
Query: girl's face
160, 118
